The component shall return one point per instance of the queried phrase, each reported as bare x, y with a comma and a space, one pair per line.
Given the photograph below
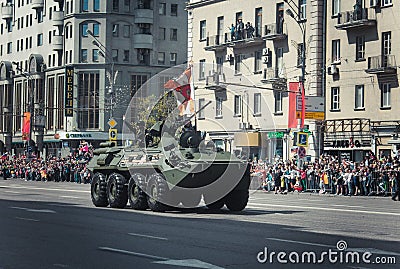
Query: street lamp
302, 25
28, 75
107, 55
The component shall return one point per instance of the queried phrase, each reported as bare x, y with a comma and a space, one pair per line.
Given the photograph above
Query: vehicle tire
157, 192
98, 190
190, 198
215, 205
117, 191
237, 200
137, 197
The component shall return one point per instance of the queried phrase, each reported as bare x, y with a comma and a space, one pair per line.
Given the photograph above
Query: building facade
362, 87
250, 64
81, 62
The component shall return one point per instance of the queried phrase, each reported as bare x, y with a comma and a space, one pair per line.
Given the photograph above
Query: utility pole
31, 86
107, 55
292, 12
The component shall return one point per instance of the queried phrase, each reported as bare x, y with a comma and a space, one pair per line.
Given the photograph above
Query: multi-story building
81, 61
250, 63
362, 100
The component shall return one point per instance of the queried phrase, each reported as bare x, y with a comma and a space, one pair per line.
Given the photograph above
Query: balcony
58, 18
143, 41
274, 31
220, 42
216, 42
57, 42
6, 11
382, 64
216, 82
37, 4
144, 16
352, 19
275, 76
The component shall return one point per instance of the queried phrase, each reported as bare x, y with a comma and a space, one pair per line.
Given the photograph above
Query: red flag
293, 90
26, 126
184, 92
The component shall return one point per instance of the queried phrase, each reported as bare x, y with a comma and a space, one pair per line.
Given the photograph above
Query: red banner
26, 126
293, 91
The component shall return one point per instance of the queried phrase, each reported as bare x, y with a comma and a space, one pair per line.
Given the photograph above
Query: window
126, 56
238, 105
127, 5
335, 51
360, 47
386, 3
174, 10
278, 102
127, 30
84, 29
161, 58
172, 58
257, 104
39, 40
60, 103
88, 100
335, 98
162, 8
202, 69
258, 22
85, 5
203, 30
300, 48
115, 5
95, 55
202, 102
359, 97
218, 107
162, 33
385, 95
220, 65
257, 61
96, 5
302, 9
137, 81
96, 29
50, 33
174, 34
39, 15
115, 30
336, 7
115, 55
83, 55
238, 61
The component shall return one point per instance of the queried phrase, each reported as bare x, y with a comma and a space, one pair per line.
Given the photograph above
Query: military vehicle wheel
189, 198
157, 191
215, 205
117, 192
237, 200
98, 190
137, 197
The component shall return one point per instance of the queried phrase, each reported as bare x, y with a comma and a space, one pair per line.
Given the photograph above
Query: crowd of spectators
371, 176
71, 168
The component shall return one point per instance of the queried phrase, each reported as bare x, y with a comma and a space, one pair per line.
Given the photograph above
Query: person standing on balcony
232, 29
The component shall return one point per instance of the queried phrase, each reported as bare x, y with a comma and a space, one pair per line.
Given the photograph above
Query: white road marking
299, 242
148, 236
15, 192
325, 209
48, 189
189, 263
162, 260
72, 197
121, 251
34, 210
27, 219
60, 265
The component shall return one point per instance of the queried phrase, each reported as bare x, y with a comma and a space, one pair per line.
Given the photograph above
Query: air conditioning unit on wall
333, 69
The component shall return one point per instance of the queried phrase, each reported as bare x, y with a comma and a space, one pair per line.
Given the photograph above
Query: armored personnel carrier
172, 170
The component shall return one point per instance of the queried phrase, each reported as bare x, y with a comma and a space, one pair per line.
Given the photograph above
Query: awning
247, 139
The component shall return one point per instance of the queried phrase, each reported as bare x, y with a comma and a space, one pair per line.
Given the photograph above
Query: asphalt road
54, 225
